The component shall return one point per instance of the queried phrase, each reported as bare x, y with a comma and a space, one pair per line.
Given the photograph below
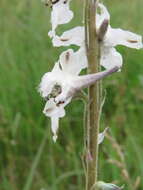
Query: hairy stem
93, 96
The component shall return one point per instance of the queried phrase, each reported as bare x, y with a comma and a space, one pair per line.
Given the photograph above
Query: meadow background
29, 160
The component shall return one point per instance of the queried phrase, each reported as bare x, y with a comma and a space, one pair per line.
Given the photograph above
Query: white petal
104, 12
110, 58
49, 80
55, 112
122, 37
52, 110
101, 136
46, 85
51, 33
56, 69
61, 14
63, 97
74, 36
54, 127
73, 62
81, 58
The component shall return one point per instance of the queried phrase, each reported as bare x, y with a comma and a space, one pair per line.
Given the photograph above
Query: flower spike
59, 86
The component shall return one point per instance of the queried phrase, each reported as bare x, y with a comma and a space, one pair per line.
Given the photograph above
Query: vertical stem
93, 95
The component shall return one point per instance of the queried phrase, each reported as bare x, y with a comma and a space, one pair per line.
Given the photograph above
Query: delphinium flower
114, 37
58, 82
60, 85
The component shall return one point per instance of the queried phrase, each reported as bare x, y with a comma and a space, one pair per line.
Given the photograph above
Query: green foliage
26, 53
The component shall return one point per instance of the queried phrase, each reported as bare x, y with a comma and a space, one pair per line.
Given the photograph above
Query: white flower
113, 37
58, 82
61, 14
59, 86
69, 65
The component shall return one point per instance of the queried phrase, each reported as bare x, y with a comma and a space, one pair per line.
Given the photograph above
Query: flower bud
107, 186
102, 30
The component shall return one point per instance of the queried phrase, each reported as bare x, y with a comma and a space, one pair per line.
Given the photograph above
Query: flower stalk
96, 41
93, 95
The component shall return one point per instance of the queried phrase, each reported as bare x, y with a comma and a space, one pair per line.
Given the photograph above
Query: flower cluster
59, 86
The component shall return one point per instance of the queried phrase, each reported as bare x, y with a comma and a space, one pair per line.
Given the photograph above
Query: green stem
93, 95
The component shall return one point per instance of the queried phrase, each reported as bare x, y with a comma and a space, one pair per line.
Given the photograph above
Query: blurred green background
29, 160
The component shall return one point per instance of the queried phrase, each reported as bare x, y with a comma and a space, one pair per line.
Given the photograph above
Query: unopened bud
102, 30
107, 186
